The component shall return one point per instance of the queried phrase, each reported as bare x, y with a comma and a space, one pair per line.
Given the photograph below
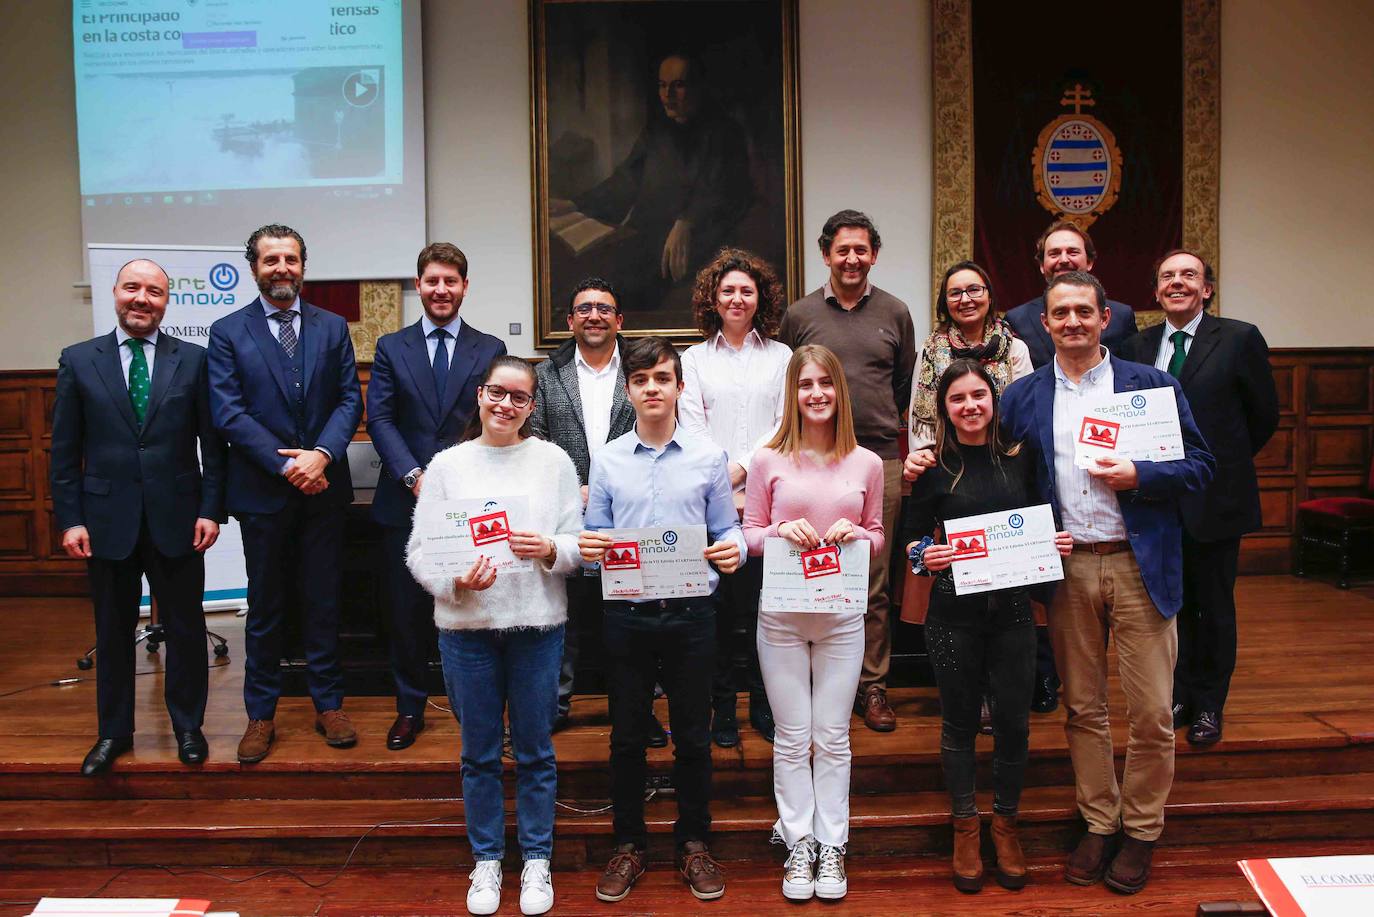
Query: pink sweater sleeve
758, 502
872, 522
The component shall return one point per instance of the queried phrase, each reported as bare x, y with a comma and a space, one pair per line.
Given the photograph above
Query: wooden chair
1331, 522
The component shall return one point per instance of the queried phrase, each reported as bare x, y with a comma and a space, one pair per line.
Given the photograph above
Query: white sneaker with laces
484, 894
536, 887
798, 876
831, 881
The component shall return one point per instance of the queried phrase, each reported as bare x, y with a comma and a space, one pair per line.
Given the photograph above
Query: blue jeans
485, 671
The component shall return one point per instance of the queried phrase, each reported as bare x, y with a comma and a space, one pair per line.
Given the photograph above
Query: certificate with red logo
1141, 426
831, 578
656, 563
454, 533
1003, 549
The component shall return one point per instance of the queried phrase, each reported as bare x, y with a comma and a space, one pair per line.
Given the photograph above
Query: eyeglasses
497, 394
973, 291
1169, 276
600, 308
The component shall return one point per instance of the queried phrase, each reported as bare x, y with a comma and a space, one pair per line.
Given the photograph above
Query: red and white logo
1100, 433
490, 528
823, 561
623, 555
969, 545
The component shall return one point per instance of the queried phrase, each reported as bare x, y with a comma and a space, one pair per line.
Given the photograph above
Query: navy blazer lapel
164, 368
1208, 334
312, 339
567, 377
111, 373
461, 366
1150, 340
1044, 418
256, 319
1124, 376
415, 356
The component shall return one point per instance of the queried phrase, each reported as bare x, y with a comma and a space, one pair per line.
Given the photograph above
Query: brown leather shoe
626, 865
968, 862
336, 728
256, 741
1011, 862
403, 732
702, 873
872, 706
1089, 859
1131, 868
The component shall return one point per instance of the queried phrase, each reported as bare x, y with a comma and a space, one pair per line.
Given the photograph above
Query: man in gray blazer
580, 407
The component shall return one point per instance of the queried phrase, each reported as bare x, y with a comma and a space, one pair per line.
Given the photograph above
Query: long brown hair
946, 443
788, 440
474, 427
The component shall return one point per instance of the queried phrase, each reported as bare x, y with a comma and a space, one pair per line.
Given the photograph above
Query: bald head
140, 295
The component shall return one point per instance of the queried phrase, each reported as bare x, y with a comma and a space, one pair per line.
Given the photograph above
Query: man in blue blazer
420, 397
132, 498
284, 393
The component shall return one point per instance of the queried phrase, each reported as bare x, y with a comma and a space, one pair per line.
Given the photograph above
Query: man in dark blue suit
420, 397
132, 498
284, 393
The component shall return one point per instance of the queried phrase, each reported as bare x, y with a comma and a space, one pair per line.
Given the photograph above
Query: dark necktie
1179, 338
138, 378
286, 334
441, 337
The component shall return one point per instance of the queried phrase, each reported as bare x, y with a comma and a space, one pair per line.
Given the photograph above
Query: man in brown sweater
872, 333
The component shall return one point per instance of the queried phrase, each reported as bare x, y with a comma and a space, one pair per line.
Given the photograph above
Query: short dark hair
1208, 275
646, 353
443, 253
592, 283
848, 219
270, 231
1059, 226
769, 313
1078, 279
942, 301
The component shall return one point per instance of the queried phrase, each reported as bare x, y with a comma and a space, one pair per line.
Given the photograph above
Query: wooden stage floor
1294, 774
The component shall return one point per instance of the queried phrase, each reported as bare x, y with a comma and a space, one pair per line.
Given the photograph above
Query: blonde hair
788, 440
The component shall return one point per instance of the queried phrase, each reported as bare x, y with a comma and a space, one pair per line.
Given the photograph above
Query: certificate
1004, 549
831, 579
656, 563
454, 533
1140, 426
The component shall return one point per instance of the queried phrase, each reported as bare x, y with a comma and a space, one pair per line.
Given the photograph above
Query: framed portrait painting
663, 130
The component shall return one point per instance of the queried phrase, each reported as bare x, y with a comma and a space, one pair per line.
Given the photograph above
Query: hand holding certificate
1004, 549
454, 534
1140, 426
655, 563
828, 578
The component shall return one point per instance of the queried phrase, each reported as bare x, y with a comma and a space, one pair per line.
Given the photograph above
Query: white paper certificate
454, 533
656, 563
1004, 549
1140, 426
828, 579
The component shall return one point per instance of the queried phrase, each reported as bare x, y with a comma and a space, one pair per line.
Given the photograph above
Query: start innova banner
204, 284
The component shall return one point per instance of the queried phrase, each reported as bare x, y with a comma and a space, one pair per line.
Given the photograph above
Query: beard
279, 290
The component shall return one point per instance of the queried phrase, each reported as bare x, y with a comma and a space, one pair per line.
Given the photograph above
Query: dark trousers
584, 606
673, 641
964, 659
737, 627
298, 554
1207, 624
1044, 657
178, 584
412, 635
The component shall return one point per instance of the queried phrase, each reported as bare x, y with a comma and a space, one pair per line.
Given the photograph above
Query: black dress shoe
1045, 697
725, 728
1181, 717
103, 753
191, 746
1206, 729
761, 717
403, 732
657, 738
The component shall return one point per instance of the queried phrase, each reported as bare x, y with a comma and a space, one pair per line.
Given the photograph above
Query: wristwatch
412, 478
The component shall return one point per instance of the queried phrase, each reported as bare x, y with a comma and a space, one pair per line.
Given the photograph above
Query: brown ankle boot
1011, 862
968, 863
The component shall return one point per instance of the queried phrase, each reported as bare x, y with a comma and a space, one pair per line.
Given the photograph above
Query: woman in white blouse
733, 394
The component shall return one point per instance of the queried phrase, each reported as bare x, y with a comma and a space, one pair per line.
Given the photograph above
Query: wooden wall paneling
1339, 388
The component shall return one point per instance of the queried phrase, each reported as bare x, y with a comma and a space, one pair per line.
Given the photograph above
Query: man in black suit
420, 397
1223, 366
132, 499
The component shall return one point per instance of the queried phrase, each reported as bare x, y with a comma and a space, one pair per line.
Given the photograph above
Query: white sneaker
536, 887
831, 882
484, 894
798, 877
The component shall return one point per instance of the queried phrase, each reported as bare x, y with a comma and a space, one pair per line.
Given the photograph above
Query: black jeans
964, 659
674, 642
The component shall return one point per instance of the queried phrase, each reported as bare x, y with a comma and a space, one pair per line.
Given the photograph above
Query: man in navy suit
284, 393
132, 498
420, 397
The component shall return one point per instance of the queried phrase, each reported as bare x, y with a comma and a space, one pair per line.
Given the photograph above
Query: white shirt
1166, 346
1088, 508
126, 353
734, 397
596, 389
270, 310
432, 343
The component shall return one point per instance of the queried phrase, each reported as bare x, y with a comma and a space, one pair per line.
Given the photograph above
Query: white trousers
811, 665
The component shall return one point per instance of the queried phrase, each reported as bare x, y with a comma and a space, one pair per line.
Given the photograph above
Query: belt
1101, 547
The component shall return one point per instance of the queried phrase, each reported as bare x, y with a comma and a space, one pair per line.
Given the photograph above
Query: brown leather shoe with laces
626, 865
256, 741
336, 728
873, 707
702, 873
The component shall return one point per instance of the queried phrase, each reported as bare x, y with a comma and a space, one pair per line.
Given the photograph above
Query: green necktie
1179, 338
138, 378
